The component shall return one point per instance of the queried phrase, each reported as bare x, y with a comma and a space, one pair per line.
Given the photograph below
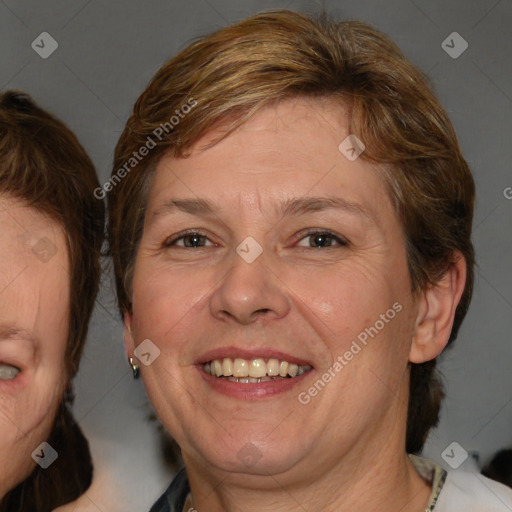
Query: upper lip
249, 354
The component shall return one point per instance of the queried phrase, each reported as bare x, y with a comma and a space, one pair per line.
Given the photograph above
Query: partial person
500, 467
52, 229
290, 223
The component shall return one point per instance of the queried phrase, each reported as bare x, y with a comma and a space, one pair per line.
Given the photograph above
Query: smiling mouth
257, 370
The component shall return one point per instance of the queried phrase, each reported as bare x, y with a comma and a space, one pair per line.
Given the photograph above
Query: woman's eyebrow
292, 206
194, 206
10, 331
301, 205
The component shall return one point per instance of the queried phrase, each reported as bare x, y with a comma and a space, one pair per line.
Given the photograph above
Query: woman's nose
248, 292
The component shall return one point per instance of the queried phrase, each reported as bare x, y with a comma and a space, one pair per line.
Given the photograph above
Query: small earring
135, 367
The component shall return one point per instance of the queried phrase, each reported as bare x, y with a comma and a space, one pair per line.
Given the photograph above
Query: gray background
107, 53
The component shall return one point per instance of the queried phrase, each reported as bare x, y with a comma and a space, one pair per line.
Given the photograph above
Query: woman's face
298, 257
34, 305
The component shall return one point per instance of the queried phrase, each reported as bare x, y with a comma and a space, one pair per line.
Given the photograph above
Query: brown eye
188, 240
193, 240
319, 239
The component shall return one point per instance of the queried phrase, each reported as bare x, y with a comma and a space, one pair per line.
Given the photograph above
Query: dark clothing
173, 499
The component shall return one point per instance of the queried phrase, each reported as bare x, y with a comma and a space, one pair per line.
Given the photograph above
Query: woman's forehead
283, 153
28, 232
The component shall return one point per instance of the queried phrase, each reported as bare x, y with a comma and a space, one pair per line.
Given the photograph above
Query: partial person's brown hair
43, 165
233, 73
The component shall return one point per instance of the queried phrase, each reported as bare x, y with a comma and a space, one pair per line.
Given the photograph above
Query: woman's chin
251, 458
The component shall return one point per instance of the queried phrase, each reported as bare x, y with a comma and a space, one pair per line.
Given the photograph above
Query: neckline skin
418, 499
384, 479
345, 449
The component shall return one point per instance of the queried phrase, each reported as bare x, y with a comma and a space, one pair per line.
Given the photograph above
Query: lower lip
251, 390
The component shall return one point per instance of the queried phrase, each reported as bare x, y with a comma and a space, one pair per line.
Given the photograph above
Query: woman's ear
436, 312
129, 343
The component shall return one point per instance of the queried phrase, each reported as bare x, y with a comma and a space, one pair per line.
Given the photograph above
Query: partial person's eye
322, 238
8, 372
187, 239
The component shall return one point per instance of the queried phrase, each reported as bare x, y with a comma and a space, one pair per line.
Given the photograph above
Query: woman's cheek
20, 418
168, 295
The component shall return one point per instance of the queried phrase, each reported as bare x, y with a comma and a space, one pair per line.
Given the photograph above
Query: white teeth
240, 368
217, 368
253, 371
8, 372
250, 379
257, 368
227, 367
292, 370
273, 367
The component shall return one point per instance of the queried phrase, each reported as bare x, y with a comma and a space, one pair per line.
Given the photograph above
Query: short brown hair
43, 165
276, 55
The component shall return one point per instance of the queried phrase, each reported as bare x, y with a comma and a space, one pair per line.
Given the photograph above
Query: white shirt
462, 491
473, 492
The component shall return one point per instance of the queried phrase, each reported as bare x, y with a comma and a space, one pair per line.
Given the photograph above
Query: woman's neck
376, 480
